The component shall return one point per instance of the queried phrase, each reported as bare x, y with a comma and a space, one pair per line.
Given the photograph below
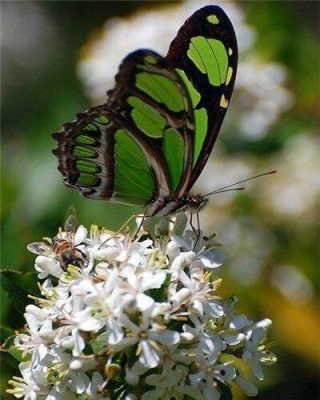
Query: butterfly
148, 143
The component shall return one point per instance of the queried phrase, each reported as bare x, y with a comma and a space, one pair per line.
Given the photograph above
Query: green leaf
9, 342
99, 343
5, 333
9, 347
18, 354
18, 286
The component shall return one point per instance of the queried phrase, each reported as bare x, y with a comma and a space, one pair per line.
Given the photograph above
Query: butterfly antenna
228, 188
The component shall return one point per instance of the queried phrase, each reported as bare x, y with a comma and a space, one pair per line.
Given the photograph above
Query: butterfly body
148, 143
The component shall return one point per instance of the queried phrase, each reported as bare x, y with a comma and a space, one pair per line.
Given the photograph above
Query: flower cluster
135, 318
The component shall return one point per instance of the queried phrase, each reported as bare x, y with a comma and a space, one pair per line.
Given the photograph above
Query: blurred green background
269, 232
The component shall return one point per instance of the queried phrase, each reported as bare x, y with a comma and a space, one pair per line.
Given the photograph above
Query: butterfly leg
194, 229
123, 227
140, 225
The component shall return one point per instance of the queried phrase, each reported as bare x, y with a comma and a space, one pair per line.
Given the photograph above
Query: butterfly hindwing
138, 145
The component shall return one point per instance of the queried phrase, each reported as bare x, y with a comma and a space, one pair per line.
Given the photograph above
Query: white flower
24, 387
149, 341
141, 311
253, 352
206, 384
208, 346
203, 247
47, 266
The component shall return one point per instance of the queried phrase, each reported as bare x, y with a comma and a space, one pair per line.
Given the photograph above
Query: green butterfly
148, 143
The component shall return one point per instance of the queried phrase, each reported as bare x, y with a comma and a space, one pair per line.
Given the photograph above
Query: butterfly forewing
205, 55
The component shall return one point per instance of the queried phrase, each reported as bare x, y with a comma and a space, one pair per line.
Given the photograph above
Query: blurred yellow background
59, 58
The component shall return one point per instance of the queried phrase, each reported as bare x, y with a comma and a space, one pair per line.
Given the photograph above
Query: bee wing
39, 248
70, 224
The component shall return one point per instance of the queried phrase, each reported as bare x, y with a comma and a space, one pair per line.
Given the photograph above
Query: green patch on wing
88, 167
87, 173
134, 182
173, 147
201, 123
210, 57
91, 127
213, 19
86, 140
147, 119
200, 116
101, 119
193, 93
149, 59
87, 180
83, 152
161, 89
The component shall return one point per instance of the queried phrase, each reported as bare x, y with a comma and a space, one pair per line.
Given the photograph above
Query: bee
61, 247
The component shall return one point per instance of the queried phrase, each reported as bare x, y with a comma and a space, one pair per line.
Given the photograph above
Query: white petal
46, 331
80, 235
198, 306
229, 372
239, 322
247, 356
185, 280
216, 309
232, 340
257, 370
210, 392
79, 343
109, 253
167, 337
160, 308
78, 382
179, 262
132, 375
131, 397
32, 322
76, 365
91, 324
47, 266
180, 296
144, 302
42, 351
212, 259
115, 335
186, 337
153, 280
151, 395
265, 323
172, 250
148, 357
37, 312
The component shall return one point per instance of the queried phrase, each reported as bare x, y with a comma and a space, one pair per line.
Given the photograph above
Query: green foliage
18, 286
